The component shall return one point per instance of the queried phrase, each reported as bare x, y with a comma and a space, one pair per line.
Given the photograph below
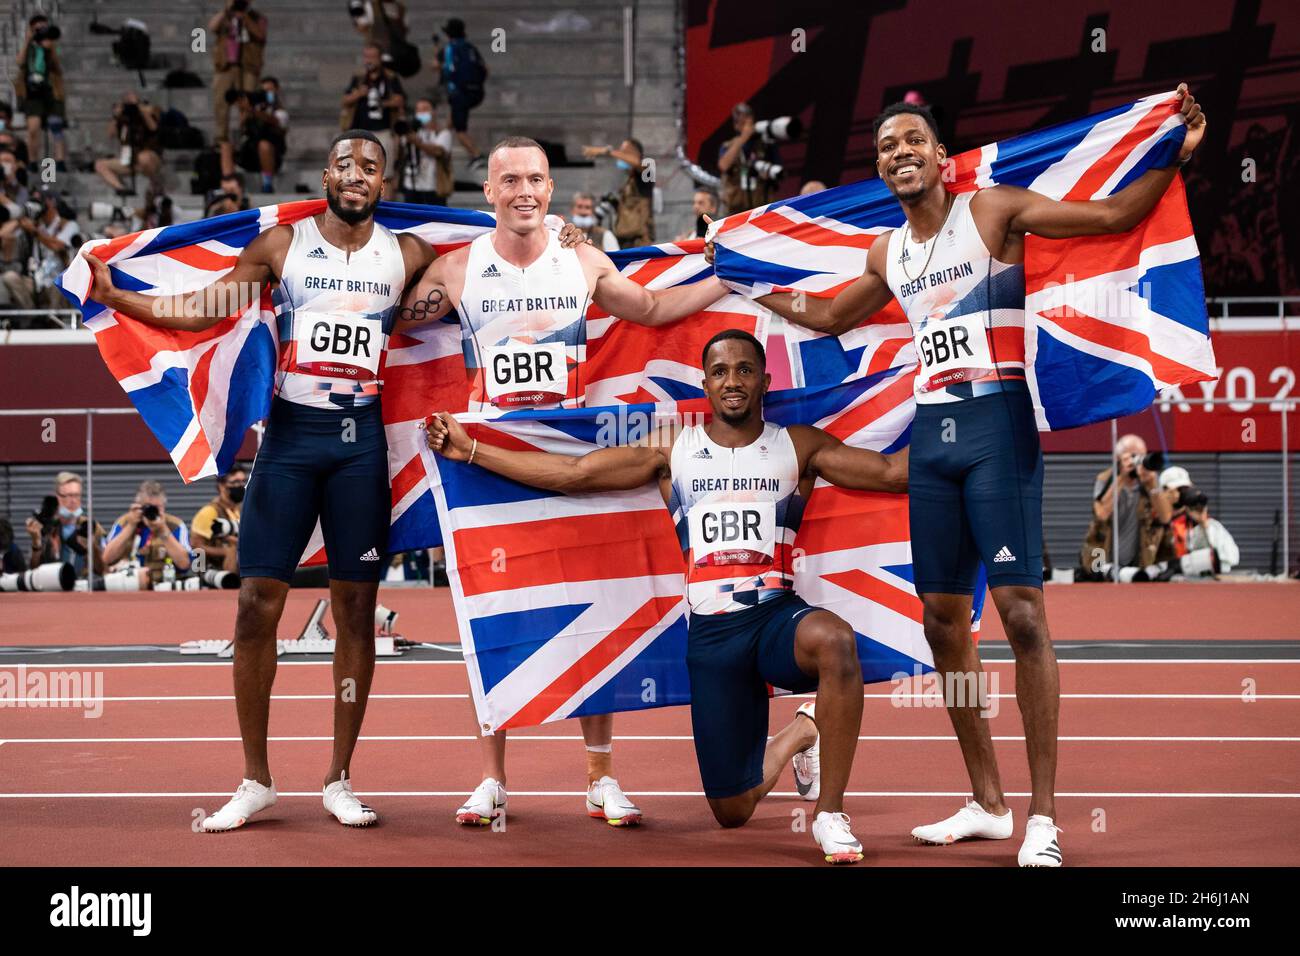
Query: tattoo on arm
421, 309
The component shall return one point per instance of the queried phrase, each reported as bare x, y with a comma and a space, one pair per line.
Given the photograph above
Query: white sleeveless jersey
334, 314
953, 291
524, 331
737, 512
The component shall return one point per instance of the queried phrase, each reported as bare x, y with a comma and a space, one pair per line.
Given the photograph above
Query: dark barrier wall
995, 69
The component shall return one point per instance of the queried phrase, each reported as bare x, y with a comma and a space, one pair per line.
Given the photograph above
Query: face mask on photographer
68, 514
424, 118
584, 222
236, 493
623, 164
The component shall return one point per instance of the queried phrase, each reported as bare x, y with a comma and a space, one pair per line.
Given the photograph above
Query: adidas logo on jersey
702, 453
1003, 556
371, 555
317, 253
490, 272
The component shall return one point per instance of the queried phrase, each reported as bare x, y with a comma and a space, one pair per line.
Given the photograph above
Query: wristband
472, 450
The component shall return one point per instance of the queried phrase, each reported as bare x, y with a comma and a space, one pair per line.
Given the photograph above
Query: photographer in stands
215, 528
229, 198
381, 22
264, 124
373, 101
634, 216
583, 215
703, 203
39, 85
134, 128
748, 162
1133, 513
52, 230
238, 43
425, 156
149, 540
59, 531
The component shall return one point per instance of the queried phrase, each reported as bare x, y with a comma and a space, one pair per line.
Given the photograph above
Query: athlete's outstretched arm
1030, 212
867, 295
195, 311
618, 295
860, 469
606, 469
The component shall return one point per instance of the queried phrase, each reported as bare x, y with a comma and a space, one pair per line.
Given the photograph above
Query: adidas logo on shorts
1003, 556
317, 253
490, 272
702, 453
371, 555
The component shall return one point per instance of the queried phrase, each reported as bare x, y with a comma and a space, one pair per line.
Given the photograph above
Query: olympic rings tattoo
420, 310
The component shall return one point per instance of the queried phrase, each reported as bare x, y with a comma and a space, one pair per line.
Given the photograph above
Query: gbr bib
966, 308
523, 329
334, 313
737, 512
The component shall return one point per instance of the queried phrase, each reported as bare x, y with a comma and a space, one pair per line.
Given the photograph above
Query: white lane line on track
41, 703
315, 794
325, 663
618, 737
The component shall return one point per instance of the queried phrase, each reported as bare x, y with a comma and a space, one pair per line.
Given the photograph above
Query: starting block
313, 639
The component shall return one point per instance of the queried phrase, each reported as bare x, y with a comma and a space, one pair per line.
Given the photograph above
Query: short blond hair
63, 477
151, 489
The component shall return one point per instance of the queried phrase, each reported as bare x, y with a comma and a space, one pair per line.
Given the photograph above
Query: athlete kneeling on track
736, 488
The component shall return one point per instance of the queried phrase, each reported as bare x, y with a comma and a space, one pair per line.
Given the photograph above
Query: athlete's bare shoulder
877, 254
807, 439
270, 248
416, 253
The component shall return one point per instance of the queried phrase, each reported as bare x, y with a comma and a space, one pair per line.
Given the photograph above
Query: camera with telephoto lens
1153, 461
221, 527
149, 512
779, 129
403, 126
356, 9
54, 576
47, 32
130, 111
33, 209
220, 580
765, 169
1192, 498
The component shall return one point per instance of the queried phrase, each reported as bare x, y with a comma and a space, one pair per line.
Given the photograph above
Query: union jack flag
570, 605
1109, 320
199, 392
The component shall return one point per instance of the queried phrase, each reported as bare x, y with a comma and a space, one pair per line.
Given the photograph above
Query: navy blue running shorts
307, 469
731, 658
975, 488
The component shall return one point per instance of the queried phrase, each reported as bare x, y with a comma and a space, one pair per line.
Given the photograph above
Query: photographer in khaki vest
215, 528
237, 41
634, 223
146, 536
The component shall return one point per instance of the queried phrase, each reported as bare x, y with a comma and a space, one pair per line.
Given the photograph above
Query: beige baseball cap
1175, 477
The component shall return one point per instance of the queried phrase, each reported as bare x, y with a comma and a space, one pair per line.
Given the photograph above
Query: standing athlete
522, 303
337, 277
975, 486
736, 488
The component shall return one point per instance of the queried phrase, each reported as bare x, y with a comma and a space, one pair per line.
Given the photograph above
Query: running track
1163, 761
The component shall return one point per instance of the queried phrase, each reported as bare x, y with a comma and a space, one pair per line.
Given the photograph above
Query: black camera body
47, 32
150, 512
49, 508
1192, 498
402, 127
356, 9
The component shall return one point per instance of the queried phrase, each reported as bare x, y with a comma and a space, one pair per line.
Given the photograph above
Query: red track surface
77, 791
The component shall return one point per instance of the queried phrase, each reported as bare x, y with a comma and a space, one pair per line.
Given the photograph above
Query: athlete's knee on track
260, 600
732, 812
830, 640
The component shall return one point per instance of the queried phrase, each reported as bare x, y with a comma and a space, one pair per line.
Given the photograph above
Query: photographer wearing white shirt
426, 156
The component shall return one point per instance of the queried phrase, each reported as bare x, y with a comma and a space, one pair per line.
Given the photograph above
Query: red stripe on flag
195, 457
1099, 172
879, 592
407, 477
810, 233
562, 689
200, 258
1127, 340
857, 418
571, 548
